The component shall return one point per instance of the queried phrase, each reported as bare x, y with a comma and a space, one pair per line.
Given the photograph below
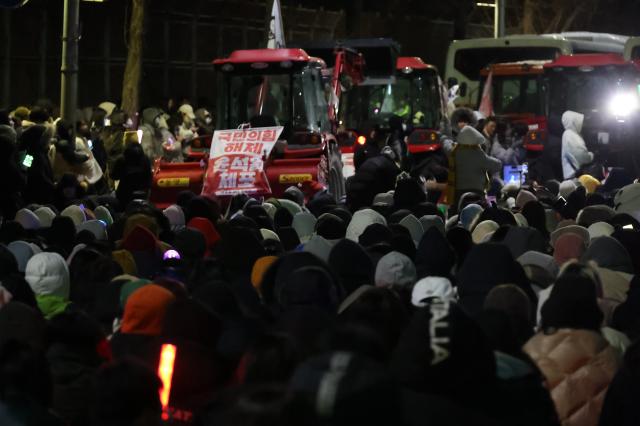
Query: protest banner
236, 161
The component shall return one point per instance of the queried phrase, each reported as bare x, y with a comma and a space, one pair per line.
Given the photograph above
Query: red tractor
274, 87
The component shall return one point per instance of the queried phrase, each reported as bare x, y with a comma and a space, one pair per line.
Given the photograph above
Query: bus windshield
588, 90
294, 100
415, 99
470, 61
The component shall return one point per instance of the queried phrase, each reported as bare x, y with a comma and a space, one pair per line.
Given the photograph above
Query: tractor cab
605, 88
282, 87
518, 99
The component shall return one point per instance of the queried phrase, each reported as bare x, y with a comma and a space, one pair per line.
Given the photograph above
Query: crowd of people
515, 304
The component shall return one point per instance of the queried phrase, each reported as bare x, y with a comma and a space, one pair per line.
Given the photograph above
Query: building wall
181, 39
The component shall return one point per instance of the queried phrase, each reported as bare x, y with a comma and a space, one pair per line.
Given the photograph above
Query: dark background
182, 37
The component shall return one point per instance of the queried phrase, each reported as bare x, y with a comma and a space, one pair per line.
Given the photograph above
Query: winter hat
434, 255
572, 303
129, 287
282, 218
22, 251
145, 310
414, 226
319, 246
108, 107
294, 193
143, 220
627, 200
609, 253
361, 220
268, 234
541, 268
304, 223
309, 286
48, 274
207, 229
432, 220
291, 206
383, 198
430, 287
522, 221
96, 227
28, 219
483, 231
260, 267
469, 214
331, 227
599, 229
190, 243
176, 217
126, 261
351, 264
593, 214
589, 182
395, 270
376, 233
520, 240
567, 247
511, 300
566, 188
288, 237
524, 197
270, 209
570, 229
75, 213
486, 266
45, 215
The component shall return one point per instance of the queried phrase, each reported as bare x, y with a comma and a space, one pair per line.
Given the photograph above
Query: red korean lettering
253, 135
228, 180
246, 179
240, 164
268, 136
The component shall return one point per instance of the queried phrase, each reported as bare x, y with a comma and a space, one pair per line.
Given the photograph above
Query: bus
466, 58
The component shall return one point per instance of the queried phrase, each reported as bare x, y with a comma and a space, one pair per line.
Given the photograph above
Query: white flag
276, 31
486, 103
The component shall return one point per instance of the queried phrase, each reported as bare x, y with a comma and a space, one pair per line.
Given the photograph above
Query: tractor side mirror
463, 89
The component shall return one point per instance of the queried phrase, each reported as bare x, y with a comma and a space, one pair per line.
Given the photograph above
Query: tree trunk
528, 15
133, 69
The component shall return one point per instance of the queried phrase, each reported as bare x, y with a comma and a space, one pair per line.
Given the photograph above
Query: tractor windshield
414, 98
590, 90
262, 98
516, 94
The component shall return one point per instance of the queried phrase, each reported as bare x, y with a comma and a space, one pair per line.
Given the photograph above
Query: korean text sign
236, 161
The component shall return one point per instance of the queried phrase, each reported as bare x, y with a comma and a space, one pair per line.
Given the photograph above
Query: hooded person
575, 359
62, 234
142, 323
487, 266
45, 216
396, 271
331, 227
204, 121
630, 239
434, 255
483, 231
153, 122
443, 352
414, 226
536, 217
352, 265
133, 171
304, 223
318, 246
568, 247
361, 220
626, 317
23, 323
470, 166
22, 251
40, 187
48, 277
175, 214
430, 288
12, 179
211, 235
607, 252
377, 174
408, 194
520, 240
575, 155
309, 286
594, 213
146, 251
461, 241
541, 269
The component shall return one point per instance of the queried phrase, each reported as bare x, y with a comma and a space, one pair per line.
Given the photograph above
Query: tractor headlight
623, 104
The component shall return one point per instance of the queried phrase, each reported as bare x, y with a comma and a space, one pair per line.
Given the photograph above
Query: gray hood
572, 120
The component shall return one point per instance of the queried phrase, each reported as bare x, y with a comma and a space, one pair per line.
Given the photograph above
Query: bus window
470, 61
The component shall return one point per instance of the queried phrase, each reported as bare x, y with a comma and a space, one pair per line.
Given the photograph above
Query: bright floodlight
623, 104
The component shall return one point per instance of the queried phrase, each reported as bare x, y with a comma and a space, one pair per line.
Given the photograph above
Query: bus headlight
623, 104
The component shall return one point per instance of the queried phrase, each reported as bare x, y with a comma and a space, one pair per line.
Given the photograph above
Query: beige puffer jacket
578, 366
